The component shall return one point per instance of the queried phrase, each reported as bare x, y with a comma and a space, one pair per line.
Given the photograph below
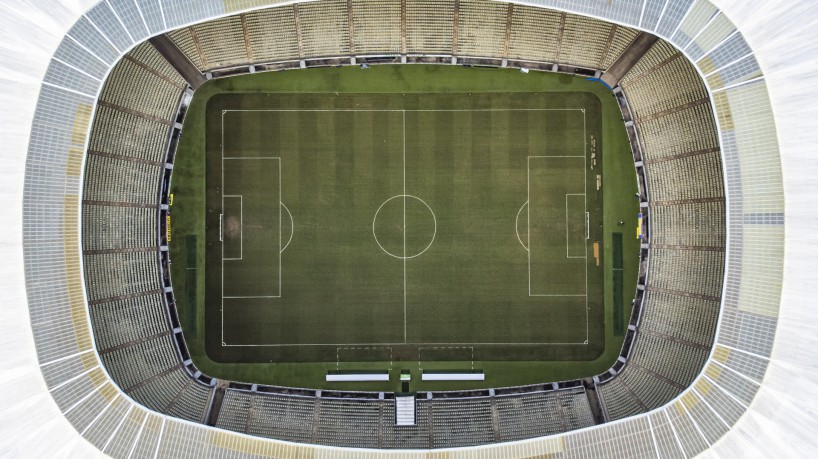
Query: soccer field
392, 227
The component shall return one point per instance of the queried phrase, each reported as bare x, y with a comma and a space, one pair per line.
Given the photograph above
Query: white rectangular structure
453, 377
358, 377
405, 411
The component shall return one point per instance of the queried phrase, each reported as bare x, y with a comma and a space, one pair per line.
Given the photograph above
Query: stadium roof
783, 417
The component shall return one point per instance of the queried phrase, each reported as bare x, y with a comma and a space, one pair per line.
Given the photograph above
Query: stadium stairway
593, 400
629, 58
405, 411
178, 60
216, 403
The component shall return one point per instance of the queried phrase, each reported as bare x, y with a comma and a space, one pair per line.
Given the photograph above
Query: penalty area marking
528, 227
584, 156
280, 242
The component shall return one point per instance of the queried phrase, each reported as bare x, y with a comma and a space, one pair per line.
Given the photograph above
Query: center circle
404, 226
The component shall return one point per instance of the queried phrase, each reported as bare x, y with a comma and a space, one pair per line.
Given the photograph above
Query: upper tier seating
370, 423
120, 196
126, 148
679, 141
342, 28
272, 35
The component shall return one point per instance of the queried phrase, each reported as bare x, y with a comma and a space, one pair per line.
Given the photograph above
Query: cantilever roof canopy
782, 34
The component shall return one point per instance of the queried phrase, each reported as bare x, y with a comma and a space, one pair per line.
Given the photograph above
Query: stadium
428, 160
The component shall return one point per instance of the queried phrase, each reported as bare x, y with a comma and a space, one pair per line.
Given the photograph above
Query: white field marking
392, 254
252, 296
242, 238
567, 255
557, 294
292, 227
403, 110
223, 158
433, 215
402, 343
585, 182
585, 189
222, 257
365, 348
404, 226
242, 233
241, 226
280, 268
517, 226
251, 157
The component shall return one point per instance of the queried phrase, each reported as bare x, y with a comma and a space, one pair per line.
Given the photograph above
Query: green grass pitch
378, 229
